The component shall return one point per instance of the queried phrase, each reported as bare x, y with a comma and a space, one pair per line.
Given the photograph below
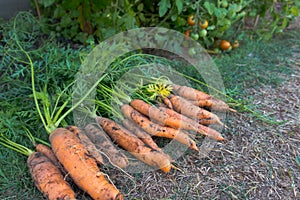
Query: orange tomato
225, 45
203, 25
191, 20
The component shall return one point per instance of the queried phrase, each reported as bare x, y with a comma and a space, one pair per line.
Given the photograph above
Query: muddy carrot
201, 98
104, 144
134, 145
48, 178
145, 137
173, 119
81, 166
47, 151
185, 107
156, 129
204, 130
89, 145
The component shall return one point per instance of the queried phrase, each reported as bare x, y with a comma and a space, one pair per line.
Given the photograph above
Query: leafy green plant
272, 17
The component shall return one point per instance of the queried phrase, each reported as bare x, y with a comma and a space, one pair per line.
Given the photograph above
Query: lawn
259, 160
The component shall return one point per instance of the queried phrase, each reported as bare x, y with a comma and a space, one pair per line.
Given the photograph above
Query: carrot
89, 145
81, 166
104, 144
156, 129
48, 179
189, 93
167, 102
173, 119
200, 98
158, 115
145, 137
213, 103
47, 152
197, 127
134, 145
185, 107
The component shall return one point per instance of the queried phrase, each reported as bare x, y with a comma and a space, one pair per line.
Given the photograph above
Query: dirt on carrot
47, 151
89, 145
81, 166
156, 129
145, 137
104, 144
48, 178
201, 99
134, 145
204, 130
186, 108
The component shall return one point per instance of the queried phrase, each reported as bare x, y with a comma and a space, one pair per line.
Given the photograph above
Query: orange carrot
167, 102
158, 115
156, 129
45, 150
197, 127
200, 98
145, 137
81, 166
104, 144
185, 107
89, 145
48, 178
213, 104
173, 119
189, 93
134, 145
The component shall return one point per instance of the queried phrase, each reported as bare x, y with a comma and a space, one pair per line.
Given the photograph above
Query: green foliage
272, 17
92, 20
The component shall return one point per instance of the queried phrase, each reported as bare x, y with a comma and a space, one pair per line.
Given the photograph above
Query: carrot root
81, 166
48, 178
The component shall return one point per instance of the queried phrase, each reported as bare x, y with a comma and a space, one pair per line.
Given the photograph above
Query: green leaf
140, 7
209, 7
46, 3
163, 7
212, 27
179, 5
294, 11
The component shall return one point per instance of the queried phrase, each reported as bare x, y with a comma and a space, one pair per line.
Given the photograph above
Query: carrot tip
220, 138
232, 110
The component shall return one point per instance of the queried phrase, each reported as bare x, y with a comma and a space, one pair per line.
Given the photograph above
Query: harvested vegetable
89, 145
185, 107
46, 175
145, 137
201, 98
47, 152
134, 145
81, 166
104, 144
156, 129
48, 179
204, 130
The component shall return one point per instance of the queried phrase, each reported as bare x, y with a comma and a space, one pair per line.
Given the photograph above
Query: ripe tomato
191, 20
225, 45
203, 25
235, 44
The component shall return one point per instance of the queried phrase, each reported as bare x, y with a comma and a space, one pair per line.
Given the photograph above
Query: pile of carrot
77, 152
